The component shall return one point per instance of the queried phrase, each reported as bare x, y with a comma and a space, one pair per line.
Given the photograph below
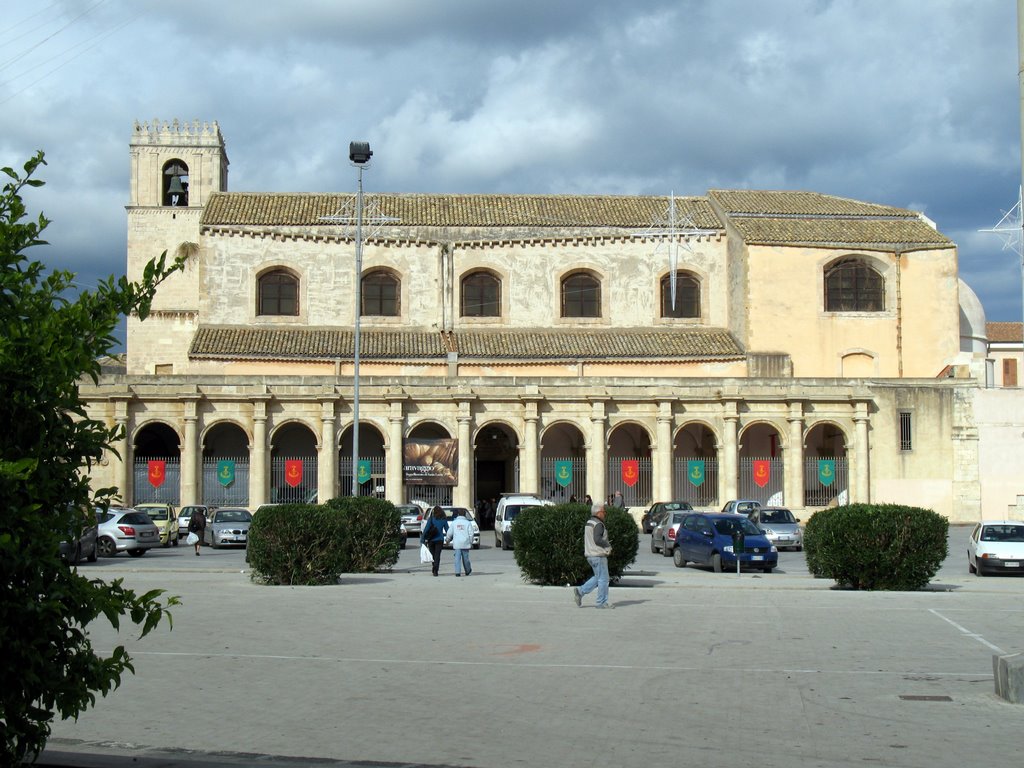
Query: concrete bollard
1009, 675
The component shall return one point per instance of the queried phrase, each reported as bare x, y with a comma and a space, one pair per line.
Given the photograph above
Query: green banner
563, 473
363, 471
826, 471
226, 472
695, 471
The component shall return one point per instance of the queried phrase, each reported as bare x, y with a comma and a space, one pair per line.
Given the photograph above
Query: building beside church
793, 347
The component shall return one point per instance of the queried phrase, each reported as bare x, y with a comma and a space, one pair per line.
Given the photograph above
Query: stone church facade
793, 347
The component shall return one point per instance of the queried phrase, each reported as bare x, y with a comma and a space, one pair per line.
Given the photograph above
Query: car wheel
677, 558
176, 540
666, 550
978, 571
767, 569
92, 555
107, 547
970, 566
76, 556
800, 548
136, 552
501, 542
476, 546
654, 549
716, 563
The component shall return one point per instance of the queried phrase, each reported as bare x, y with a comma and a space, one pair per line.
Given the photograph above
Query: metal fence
698, 488
221, 490
168, 492
284, 492
640, 494
772, 491
817, 472
434, 495
375, 486
562, 478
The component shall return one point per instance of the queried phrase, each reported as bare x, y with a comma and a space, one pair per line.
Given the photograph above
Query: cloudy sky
912, 103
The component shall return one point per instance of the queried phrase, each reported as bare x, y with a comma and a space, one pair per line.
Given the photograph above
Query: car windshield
677, 517
232, 516
728, 527
156, 513
512, 511
135, 518
777, 516
678, 505
1003, 533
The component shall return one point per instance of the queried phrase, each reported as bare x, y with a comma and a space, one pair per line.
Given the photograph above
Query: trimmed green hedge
876, 546
549, 543
312, 544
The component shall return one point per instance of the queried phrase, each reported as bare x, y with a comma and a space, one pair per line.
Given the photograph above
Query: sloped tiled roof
815, 220
1004, 331
423, 210
246, 343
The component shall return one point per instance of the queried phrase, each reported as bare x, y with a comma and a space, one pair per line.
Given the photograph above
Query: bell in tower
176, 187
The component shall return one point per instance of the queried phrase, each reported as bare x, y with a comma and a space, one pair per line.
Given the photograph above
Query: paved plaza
691, 668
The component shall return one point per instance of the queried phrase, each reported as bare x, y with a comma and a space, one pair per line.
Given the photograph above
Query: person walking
197, 525
433, 536
618, 501
597, 548
460, 536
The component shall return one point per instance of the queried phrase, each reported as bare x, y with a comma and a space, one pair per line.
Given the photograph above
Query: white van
509, 506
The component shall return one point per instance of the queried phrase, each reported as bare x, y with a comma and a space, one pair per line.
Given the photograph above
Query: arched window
481, 295
687, 296
174, 191
581, 295
278, 293
851, 285
381, 295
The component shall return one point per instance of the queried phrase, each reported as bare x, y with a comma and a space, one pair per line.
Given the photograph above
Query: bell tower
175, 168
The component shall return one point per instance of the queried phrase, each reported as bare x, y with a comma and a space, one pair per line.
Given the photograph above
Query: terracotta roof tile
866, 234
1004, 331
789, 203
247, 343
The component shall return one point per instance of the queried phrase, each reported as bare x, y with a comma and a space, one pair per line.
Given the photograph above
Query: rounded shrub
876, 546
313, 544
549, 543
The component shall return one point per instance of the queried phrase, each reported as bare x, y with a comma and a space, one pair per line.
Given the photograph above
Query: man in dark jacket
597, 548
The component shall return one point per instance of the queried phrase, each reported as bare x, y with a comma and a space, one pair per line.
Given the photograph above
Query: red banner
762, 472
157, 472
630, 471
293, 472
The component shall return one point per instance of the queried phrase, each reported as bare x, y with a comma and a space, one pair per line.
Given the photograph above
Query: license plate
1012, 565
757, 557
783, 538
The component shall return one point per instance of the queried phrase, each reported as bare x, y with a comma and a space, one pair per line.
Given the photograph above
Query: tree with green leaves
50, 339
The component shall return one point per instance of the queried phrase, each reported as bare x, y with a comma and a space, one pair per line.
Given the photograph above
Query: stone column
662, 485
394, 482
729, 457
860, 482
462, 497
795, 456
597, 459
190, 453
529, 465
327, 457
122, 461
259, 476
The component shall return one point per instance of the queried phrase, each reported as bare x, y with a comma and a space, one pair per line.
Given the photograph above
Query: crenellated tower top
176, 164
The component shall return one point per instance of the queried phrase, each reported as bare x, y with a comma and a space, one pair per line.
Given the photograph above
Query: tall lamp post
359, 155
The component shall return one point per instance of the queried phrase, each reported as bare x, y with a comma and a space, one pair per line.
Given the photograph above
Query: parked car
165, 519
706, 538
412, 518
779, 525
996, 546
80, 543
185, 517
450, 514
740, 506
509, 507
228, 526
659, 508
663, 537
125, 530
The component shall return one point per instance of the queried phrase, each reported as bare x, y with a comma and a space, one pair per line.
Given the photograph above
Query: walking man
597, 548
460, 536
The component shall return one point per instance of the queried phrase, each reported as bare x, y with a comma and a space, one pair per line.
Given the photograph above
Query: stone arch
496, 448
826, 463
372, 448
225, 464
630, 468
760, 467
156, 463
431, 492
293, 462
695, 464
563, 448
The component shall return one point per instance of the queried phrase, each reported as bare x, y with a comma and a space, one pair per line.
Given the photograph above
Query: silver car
778, 524
412, 517
228, 526
125, 530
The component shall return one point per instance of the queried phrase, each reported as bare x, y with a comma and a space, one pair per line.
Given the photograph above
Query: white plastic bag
426, 556
192, 538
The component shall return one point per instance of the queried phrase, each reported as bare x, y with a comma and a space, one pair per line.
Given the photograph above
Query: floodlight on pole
359, 154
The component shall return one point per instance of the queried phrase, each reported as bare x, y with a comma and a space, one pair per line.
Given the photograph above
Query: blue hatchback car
708, 538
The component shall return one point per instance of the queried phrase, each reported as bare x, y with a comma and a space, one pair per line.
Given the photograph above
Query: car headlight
774, 548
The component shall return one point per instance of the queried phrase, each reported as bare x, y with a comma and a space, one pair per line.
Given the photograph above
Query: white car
508, 508
996, 546
450, 514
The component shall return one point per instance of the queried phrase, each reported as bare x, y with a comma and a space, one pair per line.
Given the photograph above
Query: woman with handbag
196, 527
433, 534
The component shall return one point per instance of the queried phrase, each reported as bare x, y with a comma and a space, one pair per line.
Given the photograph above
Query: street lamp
359, 155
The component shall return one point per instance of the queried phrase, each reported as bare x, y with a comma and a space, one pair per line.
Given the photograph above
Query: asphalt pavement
690, 668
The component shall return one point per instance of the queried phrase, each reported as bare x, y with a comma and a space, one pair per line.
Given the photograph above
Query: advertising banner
431, 462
